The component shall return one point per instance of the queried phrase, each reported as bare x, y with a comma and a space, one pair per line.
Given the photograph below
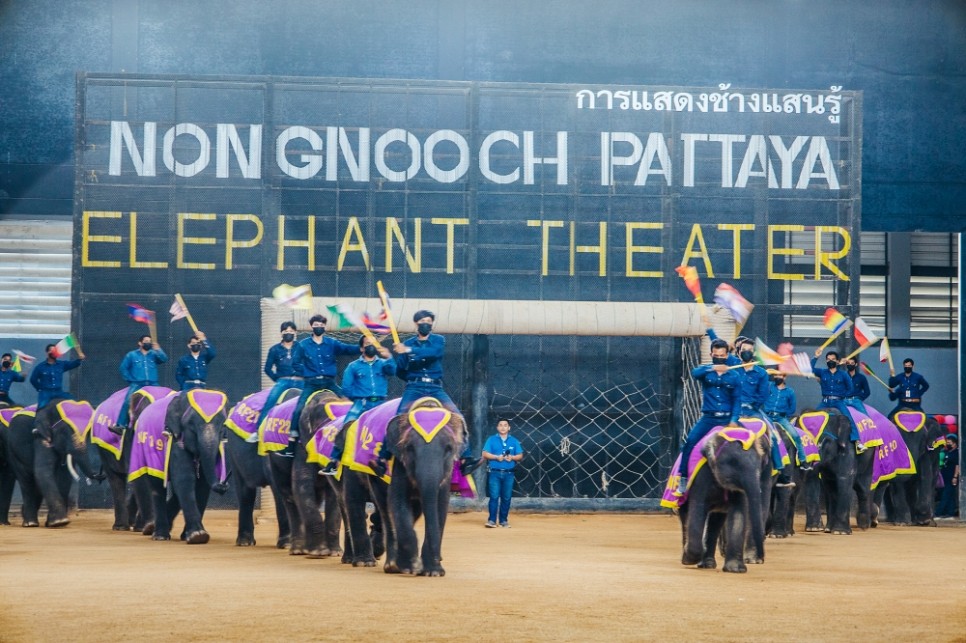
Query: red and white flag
885, 353
863, 334
177, 311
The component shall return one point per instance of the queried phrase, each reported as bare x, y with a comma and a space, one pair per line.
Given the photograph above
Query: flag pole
832, 337
187, 313
858, 350
384, 298
892, 367
869, 371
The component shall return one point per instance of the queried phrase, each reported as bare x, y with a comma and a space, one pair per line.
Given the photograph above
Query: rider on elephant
279, 366
837, 392
314, 361
860, 383
907, 388
7, 377
419, 361
48, 377
365, 382
139, 368
780, 406
720, 402
192, 369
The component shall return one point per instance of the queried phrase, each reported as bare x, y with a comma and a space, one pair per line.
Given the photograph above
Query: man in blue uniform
860, 383
48, 377
365, 382
720, 403
837, 391
314, 361
139, 368
780, 406
192, 370
502, 451
908, 388
279, 366
7, 377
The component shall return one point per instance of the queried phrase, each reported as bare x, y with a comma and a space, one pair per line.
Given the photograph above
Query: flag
294, 296
834, 320
177, 311
17, 368
728, 297
63, 346
866, 369
864, 334
690, 276
140, 314
797, 364
885, 353
374, 325
343, 317
28, 359
785, 349
766, 355
384, 313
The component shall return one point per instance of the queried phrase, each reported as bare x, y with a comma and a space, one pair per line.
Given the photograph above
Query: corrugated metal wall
35, 278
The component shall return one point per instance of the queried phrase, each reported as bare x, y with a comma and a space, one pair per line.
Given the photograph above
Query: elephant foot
901, 523
245, 541
57, 522
814, 528
689, 558
31, 523
220, 488
296, 551
776, 534
434, 572
157, 536
5, 523
283, 542
391, 567
335, 551
148, 529
708, 563
366, 562
120, 528
921, 523
199, 537
734, 567
319, 552
754, 559
840, 532
378, 548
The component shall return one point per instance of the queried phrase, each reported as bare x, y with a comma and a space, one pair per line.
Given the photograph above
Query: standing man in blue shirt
365, 382
7, 377
139, 368
720, 403
48, 377
780, 406
192, 370
314, 361
502, 451
280, 367
908, 388
860, 383
837, 391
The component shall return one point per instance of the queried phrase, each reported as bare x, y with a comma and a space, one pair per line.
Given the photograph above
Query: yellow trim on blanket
17, 409
167, 459
919, 425
237, 430
134, 475
25, 411
335, 403
197, 407
63, 416
428, 436
106, 446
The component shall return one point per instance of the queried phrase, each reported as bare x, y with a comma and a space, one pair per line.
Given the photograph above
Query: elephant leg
841, 501
697, 513
813, 502
45, 470
736, 525
334, 513
246, 514
354, 499
901, 512
281, 475
32, 497
923, 485
135, 517
435, 506
146, 508
715, 522
402, 515
162, 520
863, 493
281, 515
780, 518
186, 490
307, 489
8, 480
386, 543
119, 497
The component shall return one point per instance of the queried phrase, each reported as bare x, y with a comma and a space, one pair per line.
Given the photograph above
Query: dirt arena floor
549, 577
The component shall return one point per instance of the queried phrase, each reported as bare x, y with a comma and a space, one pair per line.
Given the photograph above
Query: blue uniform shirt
837, 384
910, 387
193, 369
496, 445
141, 368
781, 401
363, 379
49, 378
426, 358
720, 393
311, 360
279, 362
860, 386
754, 387
8, 377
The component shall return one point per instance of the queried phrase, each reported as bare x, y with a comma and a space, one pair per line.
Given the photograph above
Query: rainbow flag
728, 297
344, 317
691, 282
374, 325
294, 296
140, 314
63, 346
864, 334
834, 320
766, 355
866, 369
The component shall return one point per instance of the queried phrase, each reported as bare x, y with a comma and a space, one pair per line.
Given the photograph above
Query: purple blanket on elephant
106, 414
697, 460
151, 447
243, 416
811, 448
274, 431
320, 445
77, 415
915, 421
892, 457
6, 415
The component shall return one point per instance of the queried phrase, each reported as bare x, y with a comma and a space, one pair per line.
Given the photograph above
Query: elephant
251, 471
8, 479
909, 499
188, 428
728, 493
424, 443
115, 456
42, 447
781, 518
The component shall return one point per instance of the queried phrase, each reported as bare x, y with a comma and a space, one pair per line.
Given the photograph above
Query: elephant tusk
70, 467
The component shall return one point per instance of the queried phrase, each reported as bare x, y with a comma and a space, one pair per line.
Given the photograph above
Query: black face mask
719, 360
195, 348
424, 329
370, 351
907, 370
146, 345
779, 381
318, 331
831, 365
287, 337
6, 363
746, 356
851, 368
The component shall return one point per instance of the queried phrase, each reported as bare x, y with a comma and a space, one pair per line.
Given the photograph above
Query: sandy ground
549, 577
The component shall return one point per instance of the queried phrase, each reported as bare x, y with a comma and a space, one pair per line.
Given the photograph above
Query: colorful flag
17, 368
885, 353
866, 369
140, 314
797, 364
834, 320
294, 296
766, 355
177, 311
863, 334
374, 325
384, 314
785, 349
728, 297
28, 359
63, 346
343, 317
690, 276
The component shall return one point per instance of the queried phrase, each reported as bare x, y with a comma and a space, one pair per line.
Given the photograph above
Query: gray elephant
727, 493
43, 448
909, 499
115, 455
8, 479
781, 517
178, 445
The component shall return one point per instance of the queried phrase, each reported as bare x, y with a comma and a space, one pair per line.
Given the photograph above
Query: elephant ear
393, 431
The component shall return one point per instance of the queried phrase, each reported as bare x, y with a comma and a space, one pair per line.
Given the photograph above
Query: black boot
469, 464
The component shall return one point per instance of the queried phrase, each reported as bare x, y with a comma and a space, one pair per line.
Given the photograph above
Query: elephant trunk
77, 457
209, 440
751, 485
